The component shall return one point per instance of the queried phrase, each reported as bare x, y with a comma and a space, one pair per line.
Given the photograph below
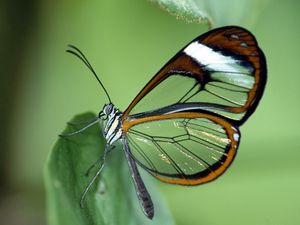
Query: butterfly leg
82, 122
80, 130
140, 188
98, 161
102, 160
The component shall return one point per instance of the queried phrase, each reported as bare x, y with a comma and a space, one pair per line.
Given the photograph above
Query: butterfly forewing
183, 148
222, 71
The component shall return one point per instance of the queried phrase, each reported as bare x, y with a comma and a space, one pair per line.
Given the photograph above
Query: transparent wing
222, 71
182, 148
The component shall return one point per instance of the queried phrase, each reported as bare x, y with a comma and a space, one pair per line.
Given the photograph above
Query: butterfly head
108, 109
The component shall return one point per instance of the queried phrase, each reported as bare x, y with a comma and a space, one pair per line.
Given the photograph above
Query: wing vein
222, 97
142, 153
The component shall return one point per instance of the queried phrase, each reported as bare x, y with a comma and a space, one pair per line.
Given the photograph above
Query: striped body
113, 127
112, 132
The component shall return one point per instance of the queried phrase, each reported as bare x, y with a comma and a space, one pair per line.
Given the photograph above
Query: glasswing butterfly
183, 126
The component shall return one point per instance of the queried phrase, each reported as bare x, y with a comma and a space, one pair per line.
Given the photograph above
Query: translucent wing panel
221, 90
186, 151
171, 91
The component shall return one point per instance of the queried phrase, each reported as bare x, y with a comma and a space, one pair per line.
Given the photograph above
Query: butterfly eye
107, 109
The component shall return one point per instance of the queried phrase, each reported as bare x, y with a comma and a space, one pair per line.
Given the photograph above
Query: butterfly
183, 126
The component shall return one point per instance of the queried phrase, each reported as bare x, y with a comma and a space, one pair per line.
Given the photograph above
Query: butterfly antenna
75, 51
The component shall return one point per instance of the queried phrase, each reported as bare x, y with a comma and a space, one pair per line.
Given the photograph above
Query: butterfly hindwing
182, 148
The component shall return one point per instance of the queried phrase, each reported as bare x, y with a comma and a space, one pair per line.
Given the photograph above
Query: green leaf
111, 200
214, 12
184, 9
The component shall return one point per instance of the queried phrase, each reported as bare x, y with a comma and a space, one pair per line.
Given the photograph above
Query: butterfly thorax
112, 129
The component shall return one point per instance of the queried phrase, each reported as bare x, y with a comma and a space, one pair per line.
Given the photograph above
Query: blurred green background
127, 42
